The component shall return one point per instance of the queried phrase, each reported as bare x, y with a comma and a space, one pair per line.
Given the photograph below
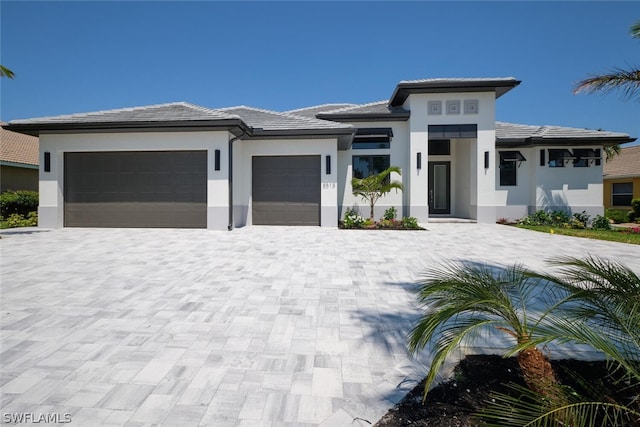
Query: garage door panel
136, 189
286, 190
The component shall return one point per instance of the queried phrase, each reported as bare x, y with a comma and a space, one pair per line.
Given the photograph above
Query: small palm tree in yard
373, 187
463, 301
591, 301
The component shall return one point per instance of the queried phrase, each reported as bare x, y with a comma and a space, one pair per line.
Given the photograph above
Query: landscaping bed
453, 403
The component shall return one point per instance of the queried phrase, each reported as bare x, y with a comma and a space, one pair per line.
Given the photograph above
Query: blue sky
86, 56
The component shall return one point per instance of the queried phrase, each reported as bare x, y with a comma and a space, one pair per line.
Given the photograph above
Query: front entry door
439, 187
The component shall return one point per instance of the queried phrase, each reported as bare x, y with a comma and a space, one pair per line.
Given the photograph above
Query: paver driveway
264, 326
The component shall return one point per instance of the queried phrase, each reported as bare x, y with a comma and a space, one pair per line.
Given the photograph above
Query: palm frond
523, 407
5, 72
635, 30
624, 81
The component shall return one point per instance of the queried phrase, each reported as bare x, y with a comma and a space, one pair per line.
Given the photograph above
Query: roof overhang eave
235, 126
403, 90
365, 117
537, 141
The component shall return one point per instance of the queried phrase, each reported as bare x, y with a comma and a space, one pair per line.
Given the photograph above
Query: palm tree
591, 301
465, 300
5, 72
625, 81
599, 303
373, 187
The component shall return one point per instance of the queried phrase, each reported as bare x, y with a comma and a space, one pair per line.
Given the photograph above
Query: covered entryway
286, 190
136, 189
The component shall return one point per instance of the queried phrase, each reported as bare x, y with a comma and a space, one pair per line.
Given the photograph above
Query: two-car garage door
136, 189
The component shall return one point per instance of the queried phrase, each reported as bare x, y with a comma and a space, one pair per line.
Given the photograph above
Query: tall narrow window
509, 163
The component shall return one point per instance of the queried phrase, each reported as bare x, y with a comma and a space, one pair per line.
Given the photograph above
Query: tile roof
175, 111
273, 120
509, 131
625, 164
18, 148
316, 109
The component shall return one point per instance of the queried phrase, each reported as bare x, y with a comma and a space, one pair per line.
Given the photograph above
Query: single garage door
136, 189
286, 190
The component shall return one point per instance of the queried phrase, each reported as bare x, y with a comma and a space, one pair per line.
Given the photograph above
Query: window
509, 163
364, 166
558, 157
621, 193
372, 138
439, 147
584, 156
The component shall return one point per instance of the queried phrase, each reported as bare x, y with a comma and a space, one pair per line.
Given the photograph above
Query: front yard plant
18, 209
353, 220
373, 187
590, 301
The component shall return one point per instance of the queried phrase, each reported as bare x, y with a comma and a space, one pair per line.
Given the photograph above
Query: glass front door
439, 187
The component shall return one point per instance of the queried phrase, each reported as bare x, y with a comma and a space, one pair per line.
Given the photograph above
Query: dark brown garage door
286, 190
136, 189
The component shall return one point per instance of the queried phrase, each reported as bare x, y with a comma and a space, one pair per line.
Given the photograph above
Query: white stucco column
418, 179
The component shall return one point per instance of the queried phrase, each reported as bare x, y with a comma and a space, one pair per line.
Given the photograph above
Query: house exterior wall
398, 157
571, 189
607, 190
18, 178
51, 209
481, 197
242, 175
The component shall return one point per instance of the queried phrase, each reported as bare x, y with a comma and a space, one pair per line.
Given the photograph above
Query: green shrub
18, 202
560, 218
580, 220
352, 219
410, 222
617, 215
17, 220
635, 210
390, 213
601, 223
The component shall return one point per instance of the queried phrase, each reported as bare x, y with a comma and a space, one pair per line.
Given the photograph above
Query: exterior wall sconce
216, 160
419, 161
47, 161
486, 160
327, 165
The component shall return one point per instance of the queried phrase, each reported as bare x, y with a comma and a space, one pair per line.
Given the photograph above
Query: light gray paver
261, 326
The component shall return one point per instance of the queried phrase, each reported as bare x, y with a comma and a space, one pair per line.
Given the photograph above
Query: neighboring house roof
624, 165
499, 85
176, 114
515, 135
18, 149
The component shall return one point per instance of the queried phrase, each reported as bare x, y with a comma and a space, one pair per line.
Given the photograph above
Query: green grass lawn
4, 224
611, 235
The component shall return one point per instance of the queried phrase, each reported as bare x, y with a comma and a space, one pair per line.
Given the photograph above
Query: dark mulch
453, 403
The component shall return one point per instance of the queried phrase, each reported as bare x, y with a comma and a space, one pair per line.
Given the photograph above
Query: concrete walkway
261, 326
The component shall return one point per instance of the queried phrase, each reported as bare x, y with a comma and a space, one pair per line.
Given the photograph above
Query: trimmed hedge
18, 202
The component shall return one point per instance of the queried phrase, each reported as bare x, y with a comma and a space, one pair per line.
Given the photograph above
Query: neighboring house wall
398, 157
51, 209
634, 181
24, 177
242, 175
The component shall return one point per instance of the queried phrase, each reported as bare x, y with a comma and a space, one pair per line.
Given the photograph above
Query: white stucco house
183, 165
